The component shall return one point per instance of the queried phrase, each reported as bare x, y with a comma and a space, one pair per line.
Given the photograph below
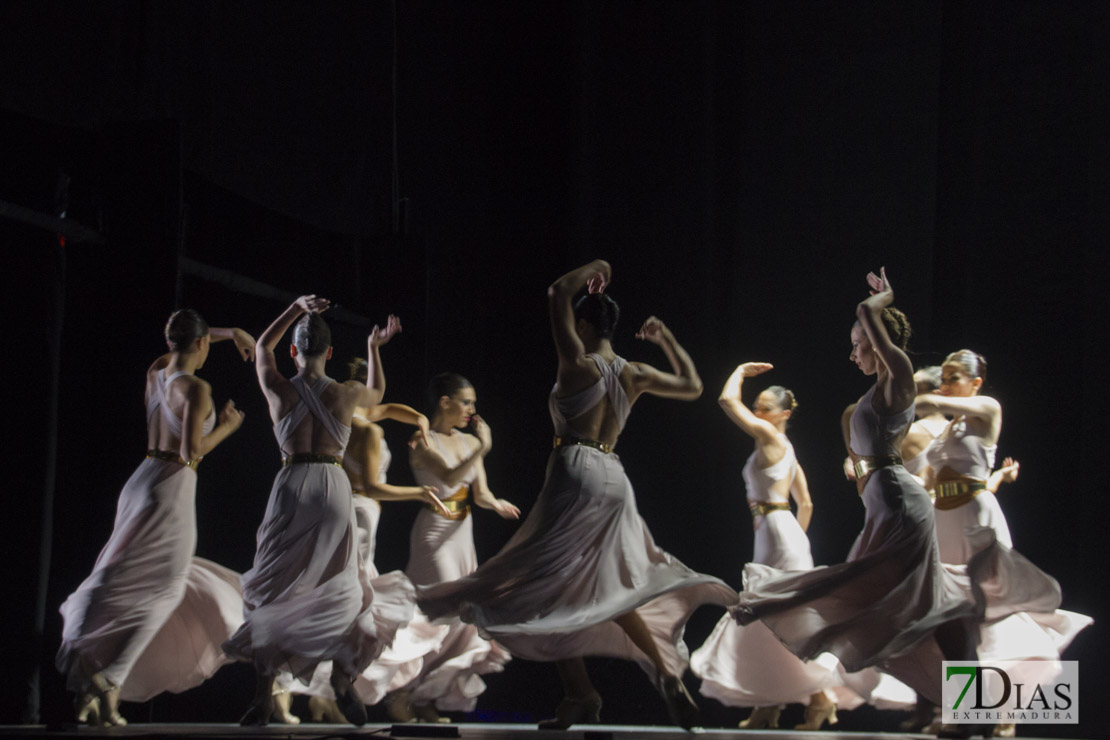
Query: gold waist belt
310, 457
867, 464
571, 441
763, 508
456, 504
172, 457
953, 494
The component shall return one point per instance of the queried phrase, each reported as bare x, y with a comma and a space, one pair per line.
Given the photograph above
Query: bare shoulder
375, 432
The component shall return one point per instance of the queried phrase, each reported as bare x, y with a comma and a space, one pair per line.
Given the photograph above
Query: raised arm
799, 491
594, 275
244, 342
764, 432
370, 394
900, 392
265, 362
402, 413
984, 409
682, 382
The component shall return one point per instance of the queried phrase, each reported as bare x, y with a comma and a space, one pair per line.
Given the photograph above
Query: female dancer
960, 461
141, 575
441, 548
748, 666
400, 662
583, 576
304, 600
892, 595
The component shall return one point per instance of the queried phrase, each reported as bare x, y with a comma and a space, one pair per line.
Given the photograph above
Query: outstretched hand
422, 432
379, 336
313, 304
653, 330
505, 509
751, 369
1009, 470
244, 343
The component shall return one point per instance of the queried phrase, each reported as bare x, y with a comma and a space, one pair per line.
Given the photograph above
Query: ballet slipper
428, 713
283, 703
574, 712
762, 718
106, 696
399, 706
325, 710
347, 699
817, 716
87, 707
681, 708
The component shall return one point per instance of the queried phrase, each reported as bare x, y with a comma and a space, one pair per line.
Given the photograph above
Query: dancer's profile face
460, 407
955, 381
863, 354
766, 407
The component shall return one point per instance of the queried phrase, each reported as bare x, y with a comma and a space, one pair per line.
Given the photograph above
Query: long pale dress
151, 616
1029, 635
746, 666
305, 599
884, 604
441, 550
583, 557
403, 659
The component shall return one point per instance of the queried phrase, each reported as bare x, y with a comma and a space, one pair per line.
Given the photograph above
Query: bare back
168, 405
309, 435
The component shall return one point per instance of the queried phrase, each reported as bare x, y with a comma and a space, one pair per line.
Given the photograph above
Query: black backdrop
742, 165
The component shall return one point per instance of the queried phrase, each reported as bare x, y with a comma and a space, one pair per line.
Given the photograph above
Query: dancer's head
775, 405
596, 316
311, 338
452, 399
927, 379
963, 373
186, 332
863, 352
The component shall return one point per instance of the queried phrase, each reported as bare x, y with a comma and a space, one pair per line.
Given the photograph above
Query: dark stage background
742, 165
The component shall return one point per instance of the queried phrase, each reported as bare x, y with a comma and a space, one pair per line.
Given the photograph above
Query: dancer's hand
379, 336
482, 432
231, 416
430, 497
849, 469
881, 290
1009, 470
505, 509
312, 304
244, 343
654, 331
751, 369
596, 284
422, 427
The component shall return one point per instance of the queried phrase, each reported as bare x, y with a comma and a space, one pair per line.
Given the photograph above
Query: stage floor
310, 731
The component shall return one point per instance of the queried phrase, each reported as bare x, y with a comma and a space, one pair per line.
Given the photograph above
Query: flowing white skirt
139, 578
442, 550
305, 600
747, 666
582, 558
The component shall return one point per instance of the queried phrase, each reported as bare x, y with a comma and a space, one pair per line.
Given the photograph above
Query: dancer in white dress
960, 461
747, 666
143, 573
402, 661
441, 548
305, 600
583, 576
892, 604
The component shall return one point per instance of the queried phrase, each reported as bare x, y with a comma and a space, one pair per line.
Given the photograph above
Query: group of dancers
931, 577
